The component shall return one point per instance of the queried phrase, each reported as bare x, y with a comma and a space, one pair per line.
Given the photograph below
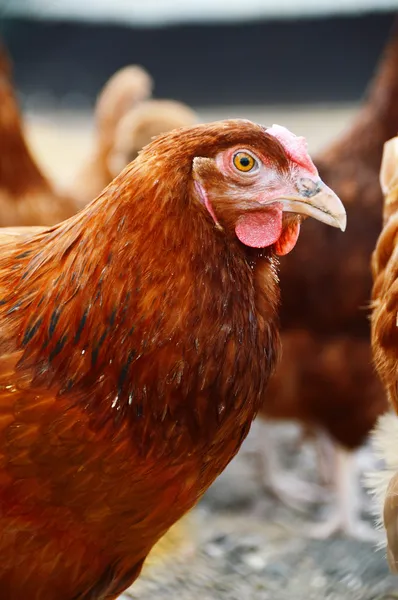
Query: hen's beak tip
328, 202
341, 221
319, 202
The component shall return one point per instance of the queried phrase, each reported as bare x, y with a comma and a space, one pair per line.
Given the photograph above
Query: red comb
296, 147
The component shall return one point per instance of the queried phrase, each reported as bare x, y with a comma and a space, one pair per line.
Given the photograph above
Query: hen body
385, 350
136, 340
135, 345
385, 289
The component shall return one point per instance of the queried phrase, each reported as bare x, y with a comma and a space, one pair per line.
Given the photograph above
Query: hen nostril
308, 188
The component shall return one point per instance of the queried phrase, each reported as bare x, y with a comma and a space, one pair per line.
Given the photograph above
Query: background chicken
26, 196
5, 61
125, 89
385, 273
134, 356
325, 379
139, 125
385, 349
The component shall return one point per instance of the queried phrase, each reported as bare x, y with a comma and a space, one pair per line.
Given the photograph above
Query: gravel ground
240, 543
245, 545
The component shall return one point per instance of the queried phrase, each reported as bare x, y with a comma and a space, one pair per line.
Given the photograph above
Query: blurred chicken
331, 378
5, 62
137, 128
385, 274
385, 349
124, 90
332, 295
26, 196
325, 379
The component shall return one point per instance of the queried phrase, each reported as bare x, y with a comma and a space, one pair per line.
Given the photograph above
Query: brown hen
325, 379
136, 340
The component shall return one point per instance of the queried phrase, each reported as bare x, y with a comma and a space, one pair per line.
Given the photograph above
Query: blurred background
287, 61
214, 52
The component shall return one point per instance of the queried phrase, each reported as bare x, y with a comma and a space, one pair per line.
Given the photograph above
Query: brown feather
384, 326
135, 343
385, 288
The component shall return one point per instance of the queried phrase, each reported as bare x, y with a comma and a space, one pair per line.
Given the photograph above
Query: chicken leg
345, 517
290, 490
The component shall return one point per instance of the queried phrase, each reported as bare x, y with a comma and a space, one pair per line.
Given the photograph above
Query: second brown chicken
27, 197
126, 120
326, 380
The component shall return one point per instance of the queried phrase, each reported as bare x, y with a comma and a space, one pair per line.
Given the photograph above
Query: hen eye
243, 161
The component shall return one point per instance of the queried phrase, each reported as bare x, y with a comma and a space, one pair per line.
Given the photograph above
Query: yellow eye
244, 162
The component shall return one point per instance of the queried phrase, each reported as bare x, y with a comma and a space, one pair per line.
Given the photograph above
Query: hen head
254, 184
251, 189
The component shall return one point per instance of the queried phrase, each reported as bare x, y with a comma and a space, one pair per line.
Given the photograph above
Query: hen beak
316, 200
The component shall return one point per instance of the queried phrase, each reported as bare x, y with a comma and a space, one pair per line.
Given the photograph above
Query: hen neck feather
139, 301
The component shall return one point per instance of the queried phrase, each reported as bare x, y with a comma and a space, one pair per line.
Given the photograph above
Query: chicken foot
345, 517
288, 489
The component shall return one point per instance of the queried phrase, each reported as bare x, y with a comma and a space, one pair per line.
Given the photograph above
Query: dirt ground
245, 546
240, 543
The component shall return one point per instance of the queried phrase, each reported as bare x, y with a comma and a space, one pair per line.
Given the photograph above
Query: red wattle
260, 229
288, 239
